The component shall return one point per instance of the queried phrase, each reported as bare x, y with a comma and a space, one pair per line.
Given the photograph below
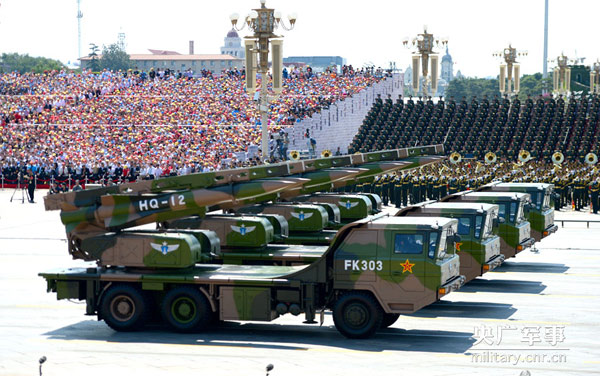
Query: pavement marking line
528, 294
550, 274
113, 343
527, 321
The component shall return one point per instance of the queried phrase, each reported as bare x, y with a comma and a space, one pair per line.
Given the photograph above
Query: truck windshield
488, 225
409, 244
512, 214
536, 199
443, 245
546, 203
478, 225
464, 225
502, 211
433, 242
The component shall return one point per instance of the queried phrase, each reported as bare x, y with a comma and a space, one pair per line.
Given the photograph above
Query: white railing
336, 126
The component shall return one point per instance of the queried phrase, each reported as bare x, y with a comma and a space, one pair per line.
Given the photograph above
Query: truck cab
538, 212
513, 229
404, 262
479, 247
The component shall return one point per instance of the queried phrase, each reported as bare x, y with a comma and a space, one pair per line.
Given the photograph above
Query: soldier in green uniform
387, 183
594, 188
378, 185
578, 193
397, 191
406, 188
414, 197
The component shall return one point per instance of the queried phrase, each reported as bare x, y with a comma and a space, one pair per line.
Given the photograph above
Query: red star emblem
457, 246
407, 266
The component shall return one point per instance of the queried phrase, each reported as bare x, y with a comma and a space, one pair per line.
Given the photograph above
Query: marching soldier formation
576, 185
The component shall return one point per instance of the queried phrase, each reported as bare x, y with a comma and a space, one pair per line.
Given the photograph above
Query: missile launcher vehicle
375, 267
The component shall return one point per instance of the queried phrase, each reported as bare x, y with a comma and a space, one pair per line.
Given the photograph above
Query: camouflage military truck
479, 248
97, 223
513, 228
538, 212
374, 271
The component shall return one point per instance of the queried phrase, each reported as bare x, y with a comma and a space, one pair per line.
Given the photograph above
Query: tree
115, 58
533, 84
25, 63
470, 87
93, 55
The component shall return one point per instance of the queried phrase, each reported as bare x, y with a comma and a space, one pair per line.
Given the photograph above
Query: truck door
463, 248
407, 264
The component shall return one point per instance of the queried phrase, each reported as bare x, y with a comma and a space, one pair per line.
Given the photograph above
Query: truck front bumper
549, 230
452, 285
527, 243
492, 263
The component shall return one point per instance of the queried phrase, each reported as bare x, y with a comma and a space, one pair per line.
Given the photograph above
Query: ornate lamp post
561, 76
509, 66
595, 78
424, 44
263, 22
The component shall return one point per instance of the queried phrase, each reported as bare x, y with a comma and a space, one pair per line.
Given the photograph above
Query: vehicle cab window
411, 244
464, 226
433, 242
502, 211
513, 212
478, 225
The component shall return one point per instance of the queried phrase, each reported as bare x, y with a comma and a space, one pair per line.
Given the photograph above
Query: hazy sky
362, 32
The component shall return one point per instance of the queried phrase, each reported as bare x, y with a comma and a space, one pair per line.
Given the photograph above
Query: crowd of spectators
130, 125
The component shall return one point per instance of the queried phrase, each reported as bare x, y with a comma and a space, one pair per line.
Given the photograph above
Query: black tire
124, 308
357, 315
389, 319
186, 309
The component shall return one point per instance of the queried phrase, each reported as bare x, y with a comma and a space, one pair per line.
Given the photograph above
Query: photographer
29, 179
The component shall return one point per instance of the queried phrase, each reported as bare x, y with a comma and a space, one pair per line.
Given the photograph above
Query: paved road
543, 307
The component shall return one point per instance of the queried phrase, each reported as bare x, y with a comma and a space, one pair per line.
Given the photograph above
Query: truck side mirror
455, 238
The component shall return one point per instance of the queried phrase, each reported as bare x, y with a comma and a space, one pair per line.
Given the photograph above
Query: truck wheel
389, 319
357, 315
186, 309
124, 308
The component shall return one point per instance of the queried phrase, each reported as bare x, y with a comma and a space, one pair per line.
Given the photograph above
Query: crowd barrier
47, 183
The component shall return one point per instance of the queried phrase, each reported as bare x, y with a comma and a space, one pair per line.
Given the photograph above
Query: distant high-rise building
233, 45
447, 67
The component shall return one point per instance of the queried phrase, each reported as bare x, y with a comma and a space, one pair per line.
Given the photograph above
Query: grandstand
541, 126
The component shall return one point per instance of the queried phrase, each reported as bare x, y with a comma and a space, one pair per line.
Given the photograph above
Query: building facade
447, 73
317, 63
233, 45
178, 62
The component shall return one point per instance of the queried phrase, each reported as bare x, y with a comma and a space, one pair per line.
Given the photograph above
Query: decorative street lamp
509, 66
561, 77
424, 44
595, 78
263, 22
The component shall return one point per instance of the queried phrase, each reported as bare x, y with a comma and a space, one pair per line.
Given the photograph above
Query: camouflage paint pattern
233, 231
352, 206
